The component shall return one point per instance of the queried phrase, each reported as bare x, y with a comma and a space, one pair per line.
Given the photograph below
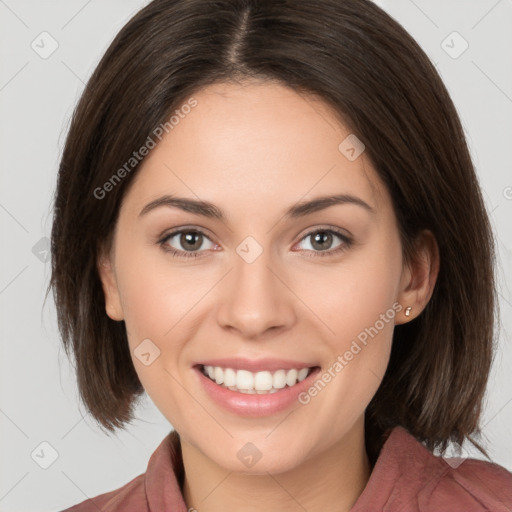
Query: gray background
38, 395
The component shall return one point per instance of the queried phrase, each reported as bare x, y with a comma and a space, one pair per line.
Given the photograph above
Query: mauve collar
164, 477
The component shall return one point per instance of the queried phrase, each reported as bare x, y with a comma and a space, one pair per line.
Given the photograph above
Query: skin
254, 150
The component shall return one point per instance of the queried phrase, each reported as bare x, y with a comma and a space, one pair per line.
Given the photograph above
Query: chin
259, 457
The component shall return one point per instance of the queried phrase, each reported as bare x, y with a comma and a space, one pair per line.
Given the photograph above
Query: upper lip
253, 365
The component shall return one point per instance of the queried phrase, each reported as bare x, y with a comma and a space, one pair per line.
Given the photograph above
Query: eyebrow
207, 209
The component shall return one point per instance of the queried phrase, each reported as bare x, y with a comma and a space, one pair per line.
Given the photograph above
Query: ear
109, 283
419, 277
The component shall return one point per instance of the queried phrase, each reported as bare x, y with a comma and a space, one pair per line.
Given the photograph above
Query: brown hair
362, 63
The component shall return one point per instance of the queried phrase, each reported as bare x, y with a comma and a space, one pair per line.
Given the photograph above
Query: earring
408, 311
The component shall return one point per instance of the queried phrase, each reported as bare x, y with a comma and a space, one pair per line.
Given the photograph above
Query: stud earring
408, 311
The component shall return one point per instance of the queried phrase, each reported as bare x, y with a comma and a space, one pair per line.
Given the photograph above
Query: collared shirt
406, 478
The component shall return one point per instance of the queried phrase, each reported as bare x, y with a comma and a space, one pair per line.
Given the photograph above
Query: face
218, 266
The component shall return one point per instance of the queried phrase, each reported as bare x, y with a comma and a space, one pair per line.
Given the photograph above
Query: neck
331, 480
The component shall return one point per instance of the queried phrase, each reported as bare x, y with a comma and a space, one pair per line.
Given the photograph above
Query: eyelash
347, 243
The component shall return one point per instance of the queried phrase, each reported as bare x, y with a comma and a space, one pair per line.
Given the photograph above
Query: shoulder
128, 498
474, 485
451, 484
408, 477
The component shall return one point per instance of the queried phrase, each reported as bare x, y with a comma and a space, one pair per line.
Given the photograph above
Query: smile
253, 388
261, 383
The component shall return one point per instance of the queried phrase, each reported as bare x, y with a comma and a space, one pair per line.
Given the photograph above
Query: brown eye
191, 240
326, 241
322, 240
186, 242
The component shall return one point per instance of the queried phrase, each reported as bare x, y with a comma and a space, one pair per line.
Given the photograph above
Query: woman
267, 218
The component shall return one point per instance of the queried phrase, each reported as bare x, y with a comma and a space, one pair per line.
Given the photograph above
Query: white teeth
244, 379
219, 375
303, 373
263, 381
279, 379
229, 377
260, 383
291, 377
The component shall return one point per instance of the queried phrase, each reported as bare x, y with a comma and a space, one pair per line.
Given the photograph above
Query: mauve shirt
406, 478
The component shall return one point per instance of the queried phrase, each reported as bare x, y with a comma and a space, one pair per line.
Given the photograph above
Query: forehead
248, 144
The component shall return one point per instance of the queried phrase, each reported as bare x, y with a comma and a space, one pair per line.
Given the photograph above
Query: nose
256, 299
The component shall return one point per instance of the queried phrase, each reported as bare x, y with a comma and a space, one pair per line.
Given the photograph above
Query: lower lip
255, 405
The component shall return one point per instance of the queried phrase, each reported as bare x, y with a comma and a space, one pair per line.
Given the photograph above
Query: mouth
261, 383
254, 389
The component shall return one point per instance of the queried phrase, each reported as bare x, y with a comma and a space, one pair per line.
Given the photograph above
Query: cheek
157, 305
355, 301
352, 296
156, 294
